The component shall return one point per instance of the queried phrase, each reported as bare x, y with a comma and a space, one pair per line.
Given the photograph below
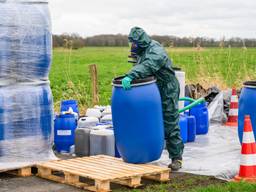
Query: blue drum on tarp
191, 128
200, 112
138, 121
64, 132
184, 128
25, 40
247, 106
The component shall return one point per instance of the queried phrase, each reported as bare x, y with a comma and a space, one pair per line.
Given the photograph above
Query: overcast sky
212, 18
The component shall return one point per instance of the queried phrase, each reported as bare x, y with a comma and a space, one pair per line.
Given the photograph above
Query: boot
176, 164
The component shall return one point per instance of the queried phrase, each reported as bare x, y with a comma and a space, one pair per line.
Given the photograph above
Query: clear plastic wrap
26, 121
25, 41
26, 104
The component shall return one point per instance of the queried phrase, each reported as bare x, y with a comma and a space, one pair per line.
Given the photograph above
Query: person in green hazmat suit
152, 60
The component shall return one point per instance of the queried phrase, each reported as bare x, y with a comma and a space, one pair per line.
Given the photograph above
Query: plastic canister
106, 118
202, 118
107, 111
91, 112
66, 104
64, 132
184, 128
191, 128
87, 122
102, 142
101, 108
82, 142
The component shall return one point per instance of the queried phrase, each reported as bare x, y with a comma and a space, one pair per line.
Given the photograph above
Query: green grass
230, 187
194, 183
70, 75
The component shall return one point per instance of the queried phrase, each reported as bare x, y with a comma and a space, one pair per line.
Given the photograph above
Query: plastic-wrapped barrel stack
26, 105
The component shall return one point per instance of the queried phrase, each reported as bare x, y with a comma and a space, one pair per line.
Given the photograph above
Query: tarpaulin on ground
215, 154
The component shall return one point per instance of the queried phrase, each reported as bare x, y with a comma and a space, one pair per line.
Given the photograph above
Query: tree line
75, 41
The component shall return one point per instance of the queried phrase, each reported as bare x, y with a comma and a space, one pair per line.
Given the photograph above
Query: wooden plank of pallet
22, 172
14, 166
103, 170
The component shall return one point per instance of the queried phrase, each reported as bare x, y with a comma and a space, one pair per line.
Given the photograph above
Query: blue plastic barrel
202, 118
64, 132
25, 43
138, 120
191, 128
66, 104
184, 128
247, 106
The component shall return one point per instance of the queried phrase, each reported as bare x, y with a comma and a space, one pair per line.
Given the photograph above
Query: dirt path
179, 182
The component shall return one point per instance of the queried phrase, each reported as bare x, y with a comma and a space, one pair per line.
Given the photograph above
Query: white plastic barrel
181, 76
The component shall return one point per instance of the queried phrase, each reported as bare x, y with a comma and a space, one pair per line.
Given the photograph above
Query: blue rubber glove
126, 83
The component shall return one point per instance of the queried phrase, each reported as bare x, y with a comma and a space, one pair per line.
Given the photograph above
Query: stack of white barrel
95, 135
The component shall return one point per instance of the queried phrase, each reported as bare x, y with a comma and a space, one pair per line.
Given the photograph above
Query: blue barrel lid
117, 82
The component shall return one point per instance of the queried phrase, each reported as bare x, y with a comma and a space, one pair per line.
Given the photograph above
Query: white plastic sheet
216, 154
216, 109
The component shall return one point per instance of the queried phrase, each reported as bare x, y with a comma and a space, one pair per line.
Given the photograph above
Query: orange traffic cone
233, 111
248, 159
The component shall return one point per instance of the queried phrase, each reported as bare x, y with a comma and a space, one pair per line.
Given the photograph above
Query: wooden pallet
22, 172
97, 172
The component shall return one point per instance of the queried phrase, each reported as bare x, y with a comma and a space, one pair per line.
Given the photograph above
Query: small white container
101, 108
91, 112
87, 122
107, 111
106, 118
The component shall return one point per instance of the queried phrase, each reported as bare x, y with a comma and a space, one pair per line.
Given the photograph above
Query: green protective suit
154, 61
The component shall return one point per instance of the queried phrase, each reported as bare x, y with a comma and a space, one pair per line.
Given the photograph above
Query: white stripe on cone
233, 112
234, 99
248, 160
248, 137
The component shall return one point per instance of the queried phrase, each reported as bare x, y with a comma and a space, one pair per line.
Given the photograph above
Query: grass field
214, 66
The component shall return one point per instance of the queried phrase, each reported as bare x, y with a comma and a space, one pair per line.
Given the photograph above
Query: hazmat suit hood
140, 37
